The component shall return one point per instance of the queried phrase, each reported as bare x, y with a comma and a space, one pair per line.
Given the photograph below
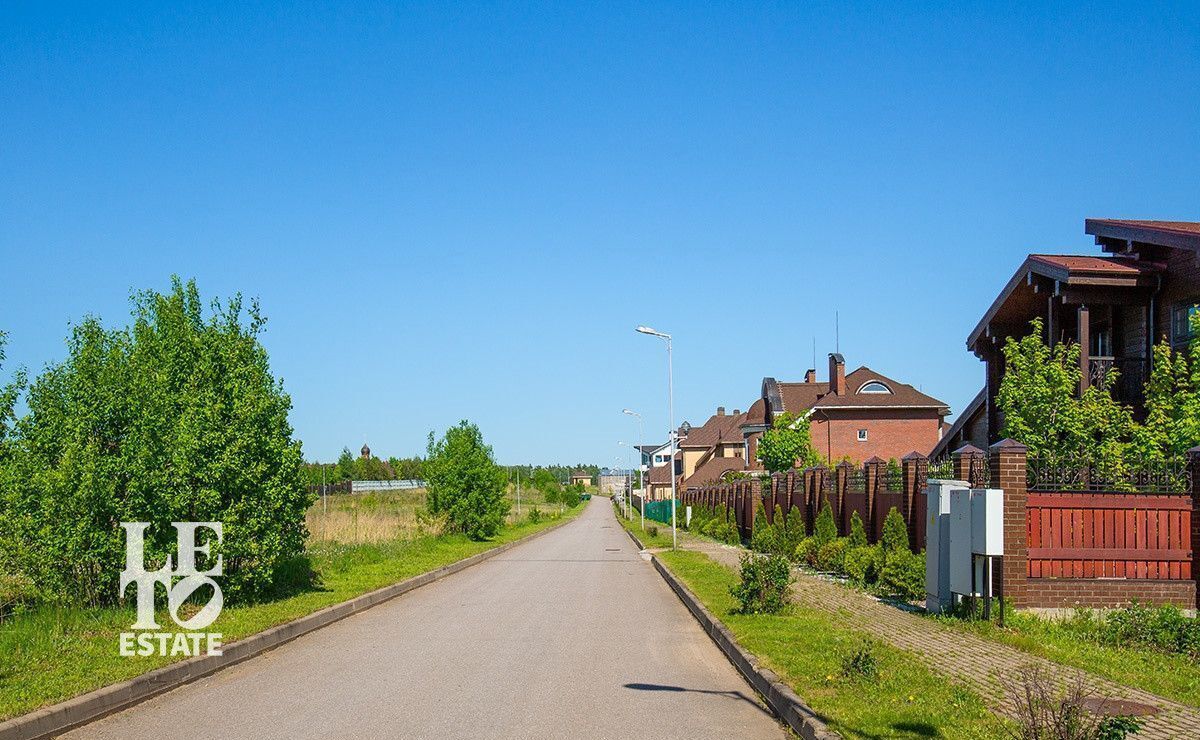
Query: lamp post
671, 417
629, 471
641, 451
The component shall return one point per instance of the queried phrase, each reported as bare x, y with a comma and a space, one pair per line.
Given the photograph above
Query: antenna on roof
837, 335
814, 365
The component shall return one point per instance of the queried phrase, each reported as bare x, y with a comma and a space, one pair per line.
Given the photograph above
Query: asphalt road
570, 635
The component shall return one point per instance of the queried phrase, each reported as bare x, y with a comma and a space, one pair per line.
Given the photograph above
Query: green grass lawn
1172, 676
805, 647
655, 535
51, 654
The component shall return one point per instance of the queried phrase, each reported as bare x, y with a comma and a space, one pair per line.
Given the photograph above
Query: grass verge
656, 534
806, 646
52, 654
1174, 677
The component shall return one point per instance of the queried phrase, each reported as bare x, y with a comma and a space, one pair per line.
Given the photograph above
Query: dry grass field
383, 516
378, 516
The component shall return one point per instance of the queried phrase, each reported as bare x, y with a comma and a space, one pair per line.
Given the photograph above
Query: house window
874, 386
862, 435
1181, 325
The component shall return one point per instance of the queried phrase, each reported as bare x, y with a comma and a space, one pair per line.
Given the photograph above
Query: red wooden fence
1109, 535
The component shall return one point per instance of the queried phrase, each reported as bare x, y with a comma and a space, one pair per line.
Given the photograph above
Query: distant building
613, 481
366, 452
856, 415
581, 478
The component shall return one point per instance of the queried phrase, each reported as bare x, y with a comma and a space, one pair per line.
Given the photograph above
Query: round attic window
874, 386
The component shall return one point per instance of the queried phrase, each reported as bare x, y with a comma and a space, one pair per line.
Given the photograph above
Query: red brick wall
1057, 593
890, 433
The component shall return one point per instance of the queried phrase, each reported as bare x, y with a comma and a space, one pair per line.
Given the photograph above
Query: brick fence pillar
841, 481
914, 468
756, 499
1193, 463
966, 458
873, 470
1008, 467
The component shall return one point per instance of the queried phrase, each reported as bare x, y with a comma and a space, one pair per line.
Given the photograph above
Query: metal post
671, 418
987, 586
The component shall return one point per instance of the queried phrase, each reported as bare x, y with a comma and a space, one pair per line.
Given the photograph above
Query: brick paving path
967, 658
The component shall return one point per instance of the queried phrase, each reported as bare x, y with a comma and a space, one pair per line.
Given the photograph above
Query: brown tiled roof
716, 430
902, 395
660, 474
1086, 264
800, 397
712, 470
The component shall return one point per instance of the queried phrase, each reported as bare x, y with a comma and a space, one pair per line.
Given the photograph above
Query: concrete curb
786, 704
89, 707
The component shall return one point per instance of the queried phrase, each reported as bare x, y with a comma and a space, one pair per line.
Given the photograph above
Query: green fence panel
660, 511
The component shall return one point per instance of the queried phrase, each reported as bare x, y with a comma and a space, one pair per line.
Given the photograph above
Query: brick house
856, 415
1115, 307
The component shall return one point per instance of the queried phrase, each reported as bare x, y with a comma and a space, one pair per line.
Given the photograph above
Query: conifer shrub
895, 532
862, 564
825, 528
858, 534
831, 555
764, 586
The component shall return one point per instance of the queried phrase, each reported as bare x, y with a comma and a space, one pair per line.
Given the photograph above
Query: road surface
570, 635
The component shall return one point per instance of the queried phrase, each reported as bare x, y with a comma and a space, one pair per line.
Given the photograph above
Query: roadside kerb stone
786, 704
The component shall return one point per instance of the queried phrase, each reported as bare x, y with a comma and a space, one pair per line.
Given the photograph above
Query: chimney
837, 374
736, 412
720, 411
810, 376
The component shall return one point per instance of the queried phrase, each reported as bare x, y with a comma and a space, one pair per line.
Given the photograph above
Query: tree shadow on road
731, 694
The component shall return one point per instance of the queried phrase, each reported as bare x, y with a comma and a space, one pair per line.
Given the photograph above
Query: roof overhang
1042, 274
1120, 236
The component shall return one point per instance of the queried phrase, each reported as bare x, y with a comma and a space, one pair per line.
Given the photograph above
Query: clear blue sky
451, 212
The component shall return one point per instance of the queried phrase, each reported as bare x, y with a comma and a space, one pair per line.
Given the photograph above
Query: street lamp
641, 451
671, 416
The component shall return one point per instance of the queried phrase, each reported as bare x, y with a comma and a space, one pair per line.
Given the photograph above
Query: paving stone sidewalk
971, 660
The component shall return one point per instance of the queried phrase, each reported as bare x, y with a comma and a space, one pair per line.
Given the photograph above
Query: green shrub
764, 586
903, 574
779, 532
861, 662
534, 515
858, 534
895, 532
653, 530
763, 537
830, 556
795, 530
1162, 628
862, 564
825, 529
806, 551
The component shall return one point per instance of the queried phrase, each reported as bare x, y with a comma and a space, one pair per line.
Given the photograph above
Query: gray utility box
937, 542
976, 532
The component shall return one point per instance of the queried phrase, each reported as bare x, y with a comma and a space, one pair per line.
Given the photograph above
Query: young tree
175, 418
786, 444
1042, 408
464, 481
8, 396
345, 465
